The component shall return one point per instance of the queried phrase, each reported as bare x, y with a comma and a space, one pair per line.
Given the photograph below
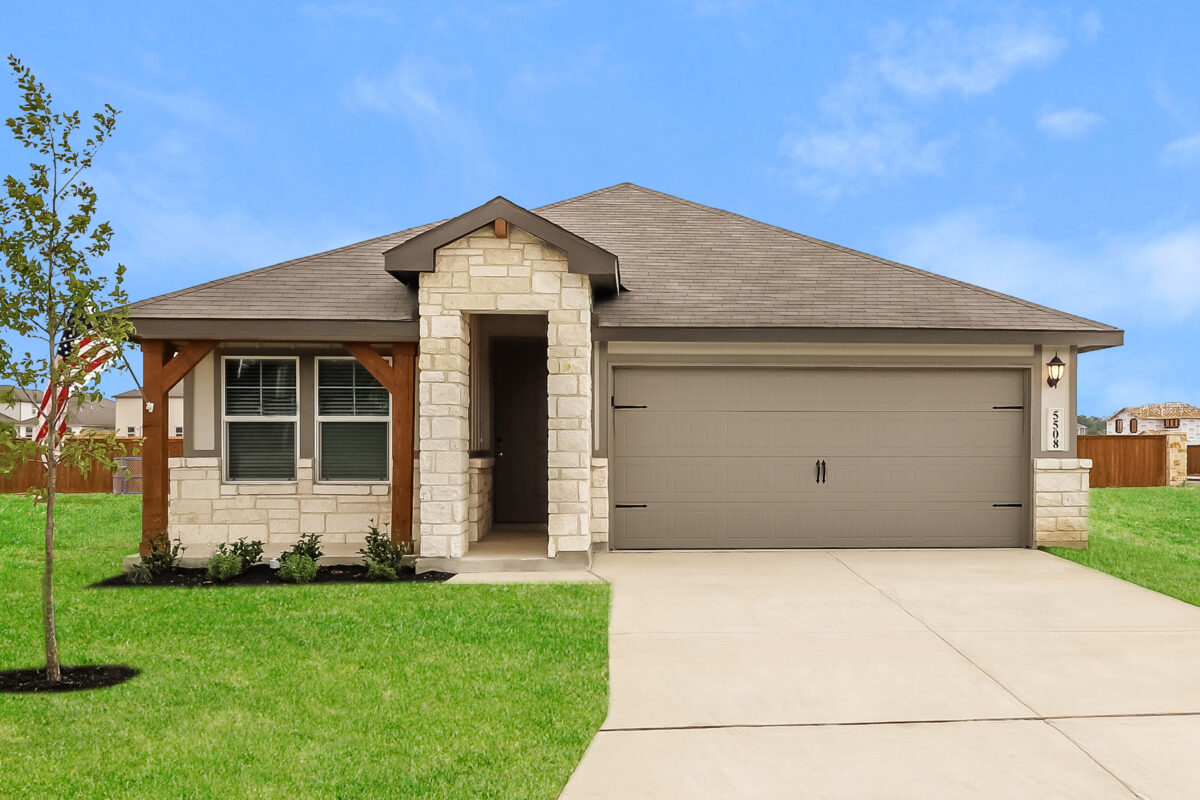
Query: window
260, 415
1171, 423
1133, 426
1119, 426
352, 422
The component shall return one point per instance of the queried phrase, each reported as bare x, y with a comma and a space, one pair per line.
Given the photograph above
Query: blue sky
1051, 151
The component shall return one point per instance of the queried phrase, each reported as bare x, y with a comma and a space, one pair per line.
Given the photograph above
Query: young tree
49, 293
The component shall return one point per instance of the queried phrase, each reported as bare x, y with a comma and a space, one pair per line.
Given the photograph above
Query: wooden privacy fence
1193, 460
1126, 460
71, 480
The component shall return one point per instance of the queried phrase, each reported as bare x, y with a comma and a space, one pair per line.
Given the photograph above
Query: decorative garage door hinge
1008, 408
1007, 505
616, 407
630, 505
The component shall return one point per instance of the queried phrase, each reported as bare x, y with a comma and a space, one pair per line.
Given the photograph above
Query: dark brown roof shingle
684, 264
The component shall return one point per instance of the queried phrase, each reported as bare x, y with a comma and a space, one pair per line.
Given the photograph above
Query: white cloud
832, 159
865, 130
441, 128
1067, 123
941, 56
1183, 152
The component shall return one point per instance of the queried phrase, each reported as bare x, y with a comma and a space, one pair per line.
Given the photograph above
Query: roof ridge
592, 193
841, 248
260, 270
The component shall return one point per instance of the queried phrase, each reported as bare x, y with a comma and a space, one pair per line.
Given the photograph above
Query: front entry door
519, 427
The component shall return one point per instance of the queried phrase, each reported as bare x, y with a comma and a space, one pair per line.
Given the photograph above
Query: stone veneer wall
203, 510
518, 274
1061, 501
599, 499
479, 513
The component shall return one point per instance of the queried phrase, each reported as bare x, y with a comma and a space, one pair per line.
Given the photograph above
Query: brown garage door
730, 458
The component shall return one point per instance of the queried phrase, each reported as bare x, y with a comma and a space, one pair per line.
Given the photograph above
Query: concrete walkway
892, 674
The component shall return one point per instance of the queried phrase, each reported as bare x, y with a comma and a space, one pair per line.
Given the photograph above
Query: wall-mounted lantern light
1055, 369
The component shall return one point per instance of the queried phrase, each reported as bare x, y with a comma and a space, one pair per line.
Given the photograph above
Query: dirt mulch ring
262, 575
74, 679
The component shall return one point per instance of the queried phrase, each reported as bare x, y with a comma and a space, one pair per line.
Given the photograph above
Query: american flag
88, 355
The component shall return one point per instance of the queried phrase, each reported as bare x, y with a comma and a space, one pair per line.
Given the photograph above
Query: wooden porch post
155, 476
162, 368
399, 378
404, 362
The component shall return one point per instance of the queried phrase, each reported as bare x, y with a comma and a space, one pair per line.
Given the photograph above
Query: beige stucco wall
519, 274
129, 415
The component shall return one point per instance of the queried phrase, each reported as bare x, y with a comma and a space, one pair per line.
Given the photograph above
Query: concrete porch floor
508, 548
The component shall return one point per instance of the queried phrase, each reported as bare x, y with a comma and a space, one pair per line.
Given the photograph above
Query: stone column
1177, 459
569, 403
443, 368
1061, 502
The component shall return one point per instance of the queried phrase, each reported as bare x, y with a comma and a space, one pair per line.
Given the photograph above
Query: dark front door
519, 427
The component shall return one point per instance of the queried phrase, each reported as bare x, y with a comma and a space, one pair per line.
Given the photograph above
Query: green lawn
371, 690
1147, 536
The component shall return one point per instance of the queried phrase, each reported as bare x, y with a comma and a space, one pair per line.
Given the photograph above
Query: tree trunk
53, 671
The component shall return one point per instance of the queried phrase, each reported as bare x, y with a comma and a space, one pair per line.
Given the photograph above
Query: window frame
1133, 425
318, 418
226, 419
1118, 426
1171, 423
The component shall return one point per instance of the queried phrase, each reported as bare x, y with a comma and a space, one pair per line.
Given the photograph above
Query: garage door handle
824, 471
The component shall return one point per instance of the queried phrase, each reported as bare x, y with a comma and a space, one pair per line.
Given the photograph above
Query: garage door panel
726, 458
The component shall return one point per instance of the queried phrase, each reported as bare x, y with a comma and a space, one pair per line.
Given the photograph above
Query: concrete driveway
892, 674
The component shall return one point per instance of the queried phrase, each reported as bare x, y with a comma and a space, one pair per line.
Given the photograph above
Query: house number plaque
1056, 431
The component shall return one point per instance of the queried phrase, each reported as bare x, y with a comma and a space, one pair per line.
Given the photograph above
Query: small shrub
308, 545
224, 565
381, 552
298, 568
380, 572
248, 552
163, 558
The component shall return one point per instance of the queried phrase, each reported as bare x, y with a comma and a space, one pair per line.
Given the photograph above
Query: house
1156, 417
622, 369
1080, 429
129, 412
82, 417
21, 409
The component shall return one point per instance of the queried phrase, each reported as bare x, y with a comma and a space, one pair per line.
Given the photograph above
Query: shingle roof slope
685, 265
1163, 411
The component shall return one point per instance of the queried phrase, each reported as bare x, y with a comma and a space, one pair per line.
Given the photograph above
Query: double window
261, 412
1171, 423
352, 422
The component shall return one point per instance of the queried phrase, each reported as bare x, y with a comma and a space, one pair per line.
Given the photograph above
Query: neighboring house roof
101, 414
1161, 411
685, 265
176, 391
21, 394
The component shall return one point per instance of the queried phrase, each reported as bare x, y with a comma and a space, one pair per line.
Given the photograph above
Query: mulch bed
74, 679
262, 575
